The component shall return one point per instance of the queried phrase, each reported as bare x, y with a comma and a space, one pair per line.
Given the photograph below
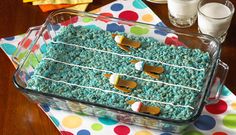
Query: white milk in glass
213, 19
183, 8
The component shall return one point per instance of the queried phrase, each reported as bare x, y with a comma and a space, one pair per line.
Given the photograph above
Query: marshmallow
119, 38
136, 106
114, 78
139, 65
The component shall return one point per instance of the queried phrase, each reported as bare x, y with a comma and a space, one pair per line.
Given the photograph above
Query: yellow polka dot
72, 121
233, 105
96, 10
147, 17
143, 132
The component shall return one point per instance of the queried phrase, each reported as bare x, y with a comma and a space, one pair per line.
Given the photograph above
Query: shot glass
214, 17
182, 13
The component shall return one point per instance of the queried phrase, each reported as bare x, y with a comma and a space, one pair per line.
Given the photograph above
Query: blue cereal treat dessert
79, 61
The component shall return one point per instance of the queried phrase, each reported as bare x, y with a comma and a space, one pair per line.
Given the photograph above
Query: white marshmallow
114, 78
136, 106
119, 38
139, 65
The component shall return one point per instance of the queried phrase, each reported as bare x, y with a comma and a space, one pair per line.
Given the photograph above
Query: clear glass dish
31, 49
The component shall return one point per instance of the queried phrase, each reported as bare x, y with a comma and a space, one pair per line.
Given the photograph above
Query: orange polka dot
143, 132
233, 105
147, 17
96, 10
71, 121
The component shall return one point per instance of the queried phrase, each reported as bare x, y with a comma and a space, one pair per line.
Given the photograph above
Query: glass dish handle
218, 82
24, 46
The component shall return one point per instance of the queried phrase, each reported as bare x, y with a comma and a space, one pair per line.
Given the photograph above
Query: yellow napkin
80, 7
25, 1
41, 2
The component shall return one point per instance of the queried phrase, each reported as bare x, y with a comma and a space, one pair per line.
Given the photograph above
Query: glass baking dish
32, 48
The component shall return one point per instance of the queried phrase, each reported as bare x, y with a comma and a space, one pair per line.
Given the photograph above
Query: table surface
19, 115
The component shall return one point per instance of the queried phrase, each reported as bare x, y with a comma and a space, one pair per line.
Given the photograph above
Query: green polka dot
193, 132
138, 30
230, 121
97, 127
81, 113
87, 19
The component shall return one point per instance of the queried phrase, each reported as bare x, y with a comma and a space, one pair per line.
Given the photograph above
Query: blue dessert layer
77, 59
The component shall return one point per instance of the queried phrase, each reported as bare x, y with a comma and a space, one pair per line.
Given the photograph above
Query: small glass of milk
182, 13
214, 17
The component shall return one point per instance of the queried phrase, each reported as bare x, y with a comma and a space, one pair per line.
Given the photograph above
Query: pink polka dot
70, 21
129, 15
217, 108
219, 133
102, 17
121, 130
66, 133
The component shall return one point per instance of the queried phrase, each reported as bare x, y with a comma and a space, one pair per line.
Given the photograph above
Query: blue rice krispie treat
78, 58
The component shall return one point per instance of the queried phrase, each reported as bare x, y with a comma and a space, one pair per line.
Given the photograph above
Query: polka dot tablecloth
216, 119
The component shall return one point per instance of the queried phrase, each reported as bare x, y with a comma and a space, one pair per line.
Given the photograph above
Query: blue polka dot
9, 38
56, 27
117, 7
55, 121
43, 48
113, 27
226, 91
165, 134
160, 29
8, 48
83, 132
205, 122
139, 4
45, 107
107, 121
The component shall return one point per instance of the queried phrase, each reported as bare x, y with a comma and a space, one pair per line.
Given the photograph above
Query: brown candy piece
142, 108
124, 42
120, 84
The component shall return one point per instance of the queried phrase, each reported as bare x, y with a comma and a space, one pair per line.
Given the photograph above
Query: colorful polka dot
9, 38
55, 121
113, 27
83, 132
219, 133
70, 21
43, 48
233, 105
193, 132
121, 130
8, 48
205, 122
107, 121
56, 27
72, 121
116, 7
147, 17
87, 19
143, 132
230, 121
217, 108
66, 133
96, 127
225, 91
45, 107
96, 10
138, 30
104, 17
139, 4
129, 15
